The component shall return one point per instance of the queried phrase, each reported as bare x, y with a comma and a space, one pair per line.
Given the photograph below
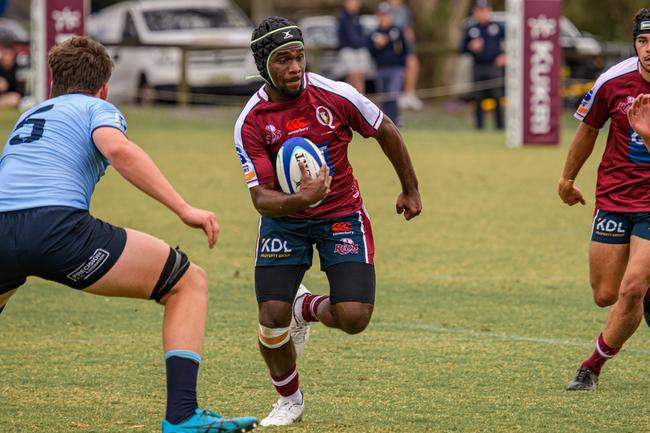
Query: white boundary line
494, 336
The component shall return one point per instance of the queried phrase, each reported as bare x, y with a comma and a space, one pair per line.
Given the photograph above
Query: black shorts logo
91, 265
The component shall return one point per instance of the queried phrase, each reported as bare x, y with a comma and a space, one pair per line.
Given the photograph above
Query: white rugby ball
290, 154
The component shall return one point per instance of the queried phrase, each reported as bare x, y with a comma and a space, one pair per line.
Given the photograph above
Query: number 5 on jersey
38, 126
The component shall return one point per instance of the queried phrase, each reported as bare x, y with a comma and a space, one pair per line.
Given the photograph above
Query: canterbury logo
287, 35
297, 123
341, 227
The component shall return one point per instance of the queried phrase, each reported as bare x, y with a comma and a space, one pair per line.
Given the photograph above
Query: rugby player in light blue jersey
48, 170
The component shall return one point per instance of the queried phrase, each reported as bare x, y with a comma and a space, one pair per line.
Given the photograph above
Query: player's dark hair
266, 39
79, 65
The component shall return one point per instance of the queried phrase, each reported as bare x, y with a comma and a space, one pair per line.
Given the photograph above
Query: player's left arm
391, 142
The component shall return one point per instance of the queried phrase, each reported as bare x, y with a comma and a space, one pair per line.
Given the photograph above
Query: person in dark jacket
353, 52
389, 49
483, 39
9, 90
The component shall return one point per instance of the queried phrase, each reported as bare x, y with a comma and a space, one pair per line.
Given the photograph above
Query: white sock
296, 397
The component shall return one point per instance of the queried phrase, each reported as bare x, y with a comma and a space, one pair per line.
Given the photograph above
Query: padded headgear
641, 23
272, 34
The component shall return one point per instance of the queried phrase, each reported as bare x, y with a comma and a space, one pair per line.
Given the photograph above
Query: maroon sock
310, 307
287, 384
602, 353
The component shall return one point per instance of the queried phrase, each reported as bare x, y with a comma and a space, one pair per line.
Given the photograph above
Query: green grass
483, 304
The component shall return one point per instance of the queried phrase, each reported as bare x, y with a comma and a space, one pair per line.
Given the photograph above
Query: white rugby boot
286, 411
299, 328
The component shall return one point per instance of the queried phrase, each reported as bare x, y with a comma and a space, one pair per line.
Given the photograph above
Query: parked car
144, 37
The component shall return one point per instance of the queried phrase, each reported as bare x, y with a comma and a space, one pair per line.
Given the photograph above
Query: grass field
483, 304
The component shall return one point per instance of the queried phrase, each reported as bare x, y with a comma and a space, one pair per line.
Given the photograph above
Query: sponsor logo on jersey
94, 262
120, 121
246, 163
347, 246
586, 102
611, 228
274, 248
273, 134
324, 116
297, 125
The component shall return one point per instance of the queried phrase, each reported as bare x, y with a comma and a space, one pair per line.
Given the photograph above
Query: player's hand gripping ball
287, 166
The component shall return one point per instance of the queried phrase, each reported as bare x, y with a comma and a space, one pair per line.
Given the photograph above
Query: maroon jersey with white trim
624, 172
326, 113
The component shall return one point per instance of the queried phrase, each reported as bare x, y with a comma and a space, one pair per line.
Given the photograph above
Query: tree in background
614, 24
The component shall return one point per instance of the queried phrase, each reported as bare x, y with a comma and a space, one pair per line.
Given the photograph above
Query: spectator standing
353, 50
483, 39
403, 19
9, 92
389, 49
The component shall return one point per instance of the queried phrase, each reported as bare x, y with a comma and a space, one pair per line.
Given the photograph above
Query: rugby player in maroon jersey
619, 254
294, 103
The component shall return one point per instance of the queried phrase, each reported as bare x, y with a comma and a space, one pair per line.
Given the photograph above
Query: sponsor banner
533, 78
53, 21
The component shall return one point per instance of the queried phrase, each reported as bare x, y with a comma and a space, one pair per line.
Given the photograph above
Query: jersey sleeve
594, 109
361, 113
103, 113
252, 155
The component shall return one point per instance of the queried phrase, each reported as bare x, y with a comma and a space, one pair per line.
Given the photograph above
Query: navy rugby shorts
289, 241
618, 227
56, 243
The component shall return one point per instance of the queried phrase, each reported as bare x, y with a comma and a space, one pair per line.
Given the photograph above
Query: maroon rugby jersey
624, 172
326, 113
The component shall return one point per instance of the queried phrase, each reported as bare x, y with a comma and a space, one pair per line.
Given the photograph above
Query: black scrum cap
272, 34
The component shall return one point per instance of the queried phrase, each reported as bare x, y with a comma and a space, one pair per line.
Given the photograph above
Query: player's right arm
581, 147
138, 168
274, 204
593, 113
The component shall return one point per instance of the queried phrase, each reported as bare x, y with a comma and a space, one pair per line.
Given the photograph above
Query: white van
143, 72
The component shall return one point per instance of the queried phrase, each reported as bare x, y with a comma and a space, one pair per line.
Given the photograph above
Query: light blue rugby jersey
50, 158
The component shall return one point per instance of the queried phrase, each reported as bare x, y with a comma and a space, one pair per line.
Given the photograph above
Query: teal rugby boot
206, 421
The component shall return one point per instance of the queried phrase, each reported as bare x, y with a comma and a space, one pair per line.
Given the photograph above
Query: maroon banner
63, 19
542, 62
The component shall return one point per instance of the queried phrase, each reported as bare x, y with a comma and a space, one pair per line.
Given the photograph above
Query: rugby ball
291, 152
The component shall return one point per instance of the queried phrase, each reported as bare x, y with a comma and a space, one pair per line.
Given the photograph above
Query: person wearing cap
483, 40
327, 210
619, 253
389, 47
353, 52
